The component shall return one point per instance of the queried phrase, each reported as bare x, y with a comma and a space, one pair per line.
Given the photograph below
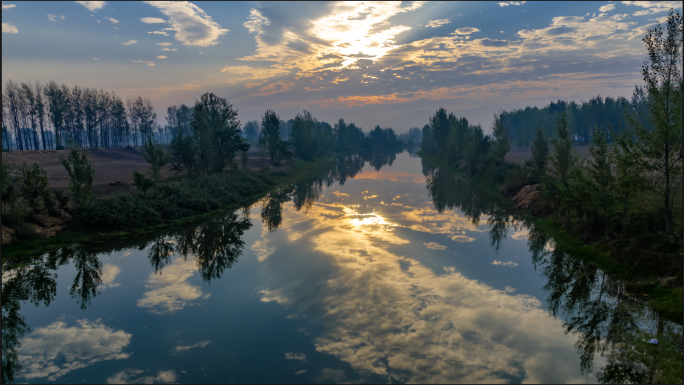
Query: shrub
81, 174
62, 199
31, 184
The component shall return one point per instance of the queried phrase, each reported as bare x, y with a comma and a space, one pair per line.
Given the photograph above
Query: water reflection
349, 263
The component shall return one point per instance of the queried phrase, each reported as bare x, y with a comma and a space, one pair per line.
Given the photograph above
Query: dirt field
519, 155
111, 165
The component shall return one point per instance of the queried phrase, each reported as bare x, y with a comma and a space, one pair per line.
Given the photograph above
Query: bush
169, 200
81, 174
31, 184
513, 182
62, 199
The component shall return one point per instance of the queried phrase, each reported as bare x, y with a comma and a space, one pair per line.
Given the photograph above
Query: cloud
62, 17
152, 20
437, 23
509, 264
8, 6
247, 73
466, 31
163, 33
200, 344
130, 376
171, 291
169, 49
165, 44
95, 58
435, 246
295, 356
607, 7
51, 17
507, 3
109, 273
114, 21
161, 57
92, 5
262, 250
149, 63
56, 349
192, 25
9, 28
130, 42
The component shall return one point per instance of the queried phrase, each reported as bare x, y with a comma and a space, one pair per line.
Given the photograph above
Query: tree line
50, 116
627, 193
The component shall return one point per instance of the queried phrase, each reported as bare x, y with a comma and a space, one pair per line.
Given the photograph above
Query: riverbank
272, 178
640, 284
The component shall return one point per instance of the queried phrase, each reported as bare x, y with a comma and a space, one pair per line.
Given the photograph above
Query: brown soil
111, 165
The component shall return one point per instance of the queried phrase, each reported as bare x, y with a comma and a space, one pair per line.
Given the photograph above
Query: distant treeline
582, 117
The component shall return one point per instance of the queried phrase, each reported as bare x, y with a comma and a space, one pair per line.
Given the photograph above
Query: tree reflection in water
599, 310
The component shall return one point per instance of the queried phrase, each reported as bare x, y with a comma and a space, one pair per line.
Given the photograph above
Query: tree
540, 152
602, 180
156, 155
81, 174
7, 186
300, 136
216, 132
502, 138
564, 156
659, 151
251, 131
270, 135
32, 184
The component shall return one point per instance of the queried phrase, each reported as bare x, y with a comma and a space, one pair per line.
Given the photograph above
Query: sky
387, 64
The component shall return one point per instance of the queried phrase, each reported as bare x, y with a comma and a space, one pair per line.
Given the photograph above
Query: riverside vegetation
625, 199
205, 141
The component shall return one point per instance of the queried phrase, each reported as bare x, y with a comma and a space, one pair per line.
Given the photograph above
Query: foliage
81, 175
658, 152
8, 189
270, 135
168, 200
502, 140
564, 156
32, 184
62, 199
540, 153
156, 155
141, 182
599, 171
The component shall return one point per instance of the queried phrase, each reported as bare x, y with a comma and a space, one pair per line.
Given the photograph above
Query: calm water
384, 269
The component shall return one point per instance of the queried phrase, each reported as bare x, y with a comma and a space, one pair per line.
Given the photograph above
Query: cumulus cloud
51, 17
132, 376
8, 6
78, 346
262, 250
92, 6
171, 291
507, 3
9, 28
435, 246
192, 25
152, 20
607, 7
130, 42
509, 264
114, 21
295, 356
161, 57
149, 63
181, 348
466, 31
109, 272
165, 44
168, 49
437, 23
163, 33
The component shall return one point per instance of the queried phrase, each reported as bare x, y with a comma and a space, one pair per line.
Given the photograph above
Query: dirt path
111, 165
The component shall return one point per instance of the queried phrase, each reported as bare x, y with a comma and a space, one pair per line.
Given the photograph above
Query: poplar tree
270, 135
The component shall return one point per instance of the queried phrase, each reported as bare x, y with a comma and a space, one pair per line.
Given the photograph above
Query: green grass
660, 299
39, 246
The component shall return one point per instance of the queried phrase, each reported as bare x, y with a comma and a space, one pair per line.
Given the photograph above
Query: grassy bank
222, 193
659, 298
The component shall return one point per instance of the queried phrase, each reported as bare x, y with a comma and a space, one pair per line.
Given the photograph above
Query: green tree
182, 153
156, 155
659, 151
502, 138
629, 175
301, 135
540, 152
599, 171
32, 184
81, 174
7, 183
564, 156
270, 135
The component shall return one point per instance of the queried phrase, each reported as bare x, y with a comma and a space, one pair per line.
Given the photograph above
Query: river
383, 269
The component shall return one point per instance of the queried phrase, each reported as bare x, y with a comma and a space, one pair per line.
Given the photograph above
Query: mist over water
385, 268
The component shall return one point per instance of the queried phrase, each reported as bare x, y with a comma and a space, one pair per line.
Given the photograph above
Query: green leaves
81, 174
